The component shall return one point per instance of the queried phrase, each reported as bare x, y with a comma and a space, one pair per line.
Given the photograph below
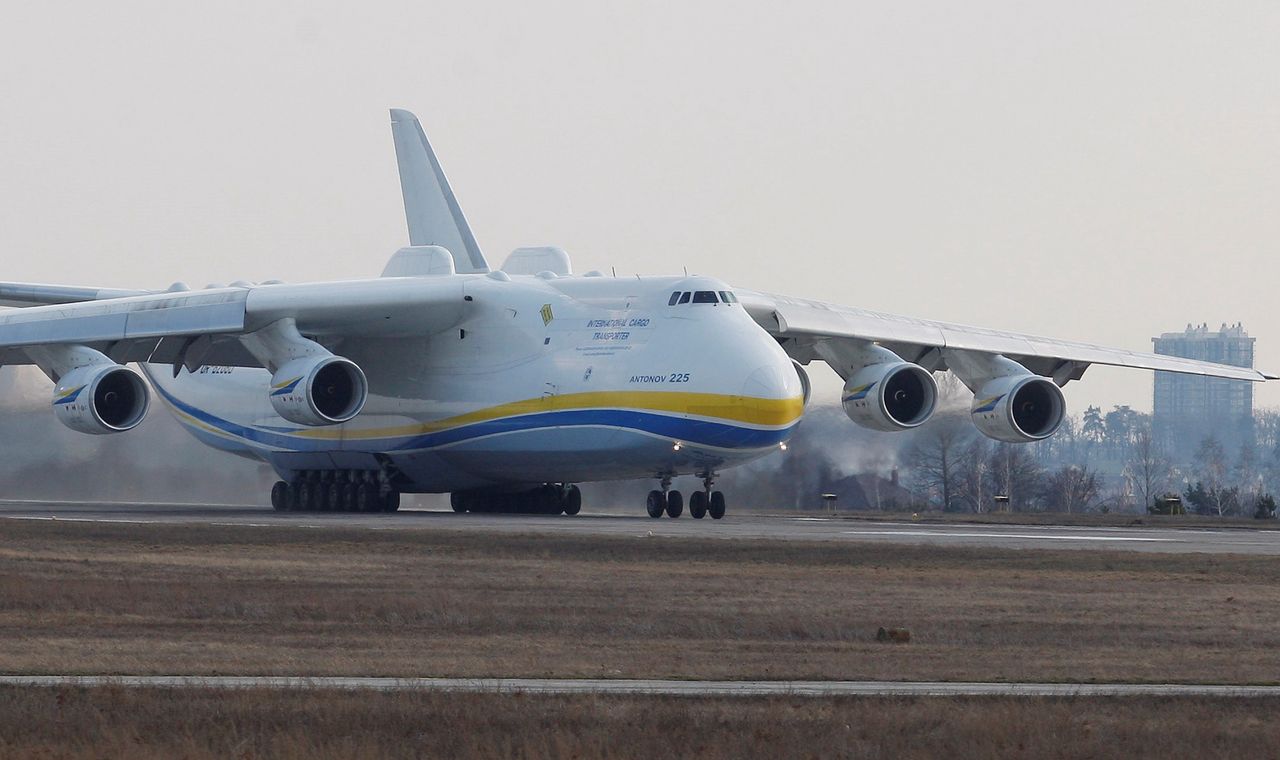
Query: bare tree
1248, 473
1072, 488
934, 457
1211, 467
1015, 474
1148, 469
973, 479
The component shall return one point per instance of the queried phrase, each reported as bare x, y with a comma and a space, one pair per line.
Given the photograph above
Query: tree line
1099, 462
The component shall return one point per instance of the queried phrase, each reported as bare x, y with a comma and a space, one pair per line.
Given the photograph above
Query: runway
654, 687
741, 526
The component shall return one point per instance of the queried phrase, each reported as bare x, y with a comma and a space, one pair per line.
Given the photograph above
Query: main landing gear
701, 503
335, 491
549, 499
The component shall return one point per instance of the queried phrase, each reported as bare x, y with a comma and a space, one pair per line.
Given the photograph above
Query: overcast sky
1099, 171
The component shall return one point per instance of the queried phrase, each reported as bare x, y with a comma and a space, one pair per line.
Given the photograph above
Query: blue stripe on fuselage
719, 435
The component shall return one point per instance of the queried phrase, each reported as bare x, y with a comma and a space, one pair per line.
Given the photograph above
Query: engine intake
101, 398
319, 390
1018, 408
890, 396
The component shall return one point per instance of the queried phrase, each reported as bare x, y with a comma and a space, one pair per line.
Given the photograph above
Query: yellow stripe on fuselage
769, 412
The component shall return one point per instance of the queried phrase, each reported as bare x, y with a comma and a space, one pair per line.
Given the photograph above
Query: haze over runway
742, 526
1088, 170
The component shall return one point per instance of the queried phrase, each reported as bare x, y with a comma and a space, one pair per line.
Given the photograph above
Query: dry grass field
146, 724
97, 598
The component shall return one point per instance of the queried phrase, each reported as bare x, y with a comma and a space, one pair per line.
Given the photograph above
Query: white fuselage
543, 379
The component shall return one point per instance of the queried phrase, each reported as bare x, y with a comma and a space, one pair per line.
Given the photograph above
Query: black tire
348, 501
698, 504
717, 506
655, 504
458, 502
305, 492
675, 504
280, 496
366, 497
291, 502
333, 497
391, 501
572, 501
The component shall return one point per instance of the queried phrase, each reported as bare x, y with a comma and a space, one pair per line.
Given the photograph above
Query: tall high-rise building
1187, 408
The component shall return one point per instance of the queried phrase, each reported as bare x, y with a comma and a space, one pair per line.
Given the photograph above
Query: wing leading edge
206, 326
800, 323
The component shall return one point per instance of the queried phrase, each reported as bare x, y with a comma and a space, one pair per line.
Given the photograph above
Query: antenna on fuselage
615, 272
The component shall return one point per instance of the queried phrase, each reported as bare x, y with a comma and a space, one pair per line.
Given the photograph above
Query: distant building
1187, 408
871, 491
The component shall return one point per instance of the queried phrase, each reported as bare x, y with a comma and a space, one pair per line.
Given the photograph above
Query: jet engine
101, 398
319, 390
890, 396
1018, 408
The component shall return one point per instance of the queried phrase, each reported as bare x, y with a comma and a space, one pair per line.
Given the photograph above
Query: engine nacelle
890, 396
319, 390
101, 398
1018, 408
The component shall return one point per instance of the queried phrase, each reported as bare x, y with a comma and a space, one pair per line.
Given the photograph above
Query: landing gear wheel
366, 497
717, 505
656, 504
458, 502
675, 504
280, 496
572, 501
391, 501
348, 497
305, 492
698, 504
291, 502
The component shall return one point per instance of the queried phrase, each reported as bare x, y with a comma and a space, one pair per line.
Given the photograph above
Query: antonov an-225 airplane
506, 387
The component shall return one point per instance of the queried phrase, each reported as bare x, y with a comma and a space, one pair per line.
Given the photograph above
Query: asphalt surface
733, 527
661, 687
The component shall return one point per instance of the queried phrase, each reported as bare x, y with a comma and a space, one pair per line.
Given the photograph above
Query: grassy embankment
102, 599
157, 723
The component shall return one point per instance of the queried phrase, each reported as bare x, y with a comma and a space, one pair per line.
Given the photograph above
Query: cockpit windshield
679, 298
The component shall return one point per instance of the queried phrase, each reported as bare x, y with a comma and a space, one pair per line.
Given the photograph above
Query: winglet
430, 207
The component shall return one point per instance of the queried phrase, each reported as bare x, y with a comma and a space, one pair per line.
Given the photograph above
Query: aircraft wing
198, 327
31, 294
799, 324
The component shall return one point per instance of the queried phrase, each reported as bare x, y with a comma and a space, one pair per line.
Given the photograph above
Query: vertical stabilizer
430, 207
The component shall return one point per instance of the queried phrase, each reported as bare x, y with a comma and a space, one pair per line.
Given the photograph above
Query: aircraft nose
774, 380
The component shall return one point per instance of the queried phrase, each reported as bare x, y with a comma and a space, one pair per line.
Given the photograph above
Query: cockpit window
705, 296
684, 297
674, 297
728, 297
